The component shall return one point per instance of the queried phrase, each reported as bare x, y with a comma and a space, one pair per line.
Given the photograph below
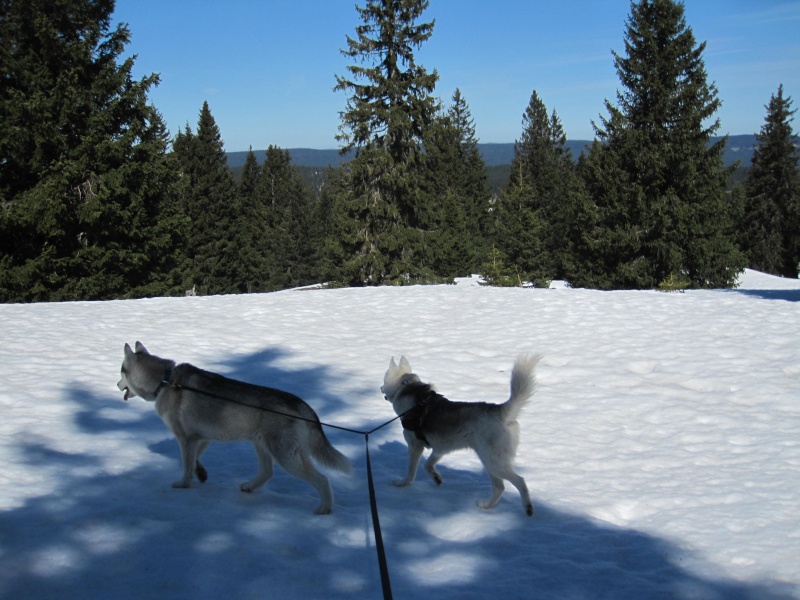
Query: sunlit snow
662, 448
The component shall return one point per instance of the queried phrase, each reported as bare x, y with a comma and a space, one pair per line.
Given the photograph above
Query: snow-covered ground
662, 449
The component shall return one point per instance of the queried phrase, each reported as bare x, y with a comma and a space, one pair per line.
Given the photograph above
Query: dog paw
529, 510
401, 482
486, 504
437, 479
202, 474
181, 484
247, 487
323, 510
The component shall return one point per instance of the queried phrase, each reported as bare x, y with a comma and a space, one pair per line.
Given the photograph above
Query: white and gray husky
199, 407
432, 421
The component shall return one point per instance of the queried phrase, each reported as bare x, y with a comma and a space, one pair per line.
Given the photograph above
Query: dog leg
518, 482
189, 459
265, 470
497, 490
415, 450
302, 468
507, 473
430, 467
200, 470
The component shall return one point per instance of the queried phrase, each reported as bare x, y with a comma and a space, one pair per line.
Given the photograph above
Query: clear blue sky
266, 67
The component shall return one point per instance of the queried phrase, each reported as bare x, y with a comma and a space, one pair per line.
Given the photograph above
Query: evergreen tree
86, 185
658, 204
771, 224
520, 233
209, 200
458, 192
251, 230
542, 191
385, 119
291, 238
248, 183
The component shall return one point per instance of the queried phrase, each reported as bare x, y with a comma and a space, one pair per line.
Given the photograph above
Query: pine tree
385, 119
542, 190
248, 183
520, 233
290, 210
209, 200
252, 238
456, 184
771, 224
658, 203
86, 184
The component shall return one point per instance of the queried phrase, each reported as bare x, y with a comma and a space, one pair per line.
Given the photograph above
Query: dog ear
128, 350
392, 364
405, 365
140, 348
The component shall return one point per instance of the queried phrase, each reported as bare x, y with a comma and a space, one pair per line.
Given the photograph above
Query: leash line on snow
373, 503
376, 527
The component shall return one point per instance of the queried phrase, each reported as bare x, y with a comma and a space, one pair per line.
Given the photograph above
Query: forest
99, 201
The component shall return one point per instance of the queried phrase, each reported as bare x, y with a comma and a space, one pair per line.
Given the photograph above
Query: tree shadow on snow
785, 295
113, 526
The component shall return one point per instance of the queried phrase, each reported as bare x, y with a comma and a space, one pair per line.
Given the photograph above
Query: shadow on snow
129, 534
786, 295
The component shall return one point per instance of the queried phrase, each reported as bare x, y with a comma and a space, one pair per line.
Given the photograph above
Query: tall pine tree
209, 200
658, 206
86, 185
385, 219
535, 212
771, 224
291, 239
458, 192
251, 229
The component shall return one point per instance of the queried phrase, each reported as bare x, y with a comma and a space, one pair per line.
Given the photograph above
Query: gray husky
432, 421
199, 407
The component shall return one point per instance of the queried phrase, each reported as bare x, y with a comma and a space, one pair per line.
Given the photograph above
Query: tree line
99, 201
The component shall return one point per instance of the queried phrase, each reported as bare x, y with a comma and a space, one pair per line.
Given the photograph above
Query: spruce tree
388, 110
209, 200
291, 239
86, 185
658, 205
475, 188
520, 233
248, 183
771, 224
542, 191
251, 230
458, 192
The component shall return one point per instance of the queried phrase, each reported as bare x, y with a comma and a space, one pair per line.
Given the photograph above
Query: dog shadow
109, 524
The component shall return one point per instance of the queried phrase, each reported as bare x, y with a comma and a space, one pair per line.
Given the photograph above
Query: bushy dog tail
327, 455
523, 385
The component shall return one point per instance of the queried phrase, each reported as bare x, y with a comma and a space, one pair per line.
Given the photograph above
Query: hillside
738, 148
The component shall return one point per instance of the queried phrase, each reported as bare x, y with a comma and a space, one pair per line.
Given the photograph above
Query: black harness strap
414, 418
164, 382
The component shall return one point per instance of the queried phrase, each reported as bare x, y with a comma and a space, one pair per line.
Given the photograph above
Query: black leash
376, 525
376, 528
278, 412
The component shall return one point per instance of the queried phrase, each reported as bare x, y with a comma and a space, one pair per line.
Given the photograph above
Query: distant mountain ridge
738, 148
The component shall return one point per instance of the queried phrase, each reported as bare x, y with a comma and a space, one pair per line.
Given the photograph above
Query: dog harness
414, 419
164, 381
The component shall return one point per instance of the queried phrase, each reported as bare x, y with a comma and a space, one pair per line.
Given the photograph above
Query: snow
662, 448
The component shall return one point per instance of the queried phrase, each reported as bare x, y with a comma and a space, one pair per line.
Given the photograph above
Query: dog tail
523, 385
328, 456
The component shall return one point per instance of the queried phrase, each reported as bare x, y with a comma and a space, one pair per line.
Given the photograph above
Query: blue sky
266, 67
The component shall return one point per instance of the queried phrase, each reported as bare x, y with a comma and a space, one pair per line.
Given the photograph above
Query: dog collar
164, 381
